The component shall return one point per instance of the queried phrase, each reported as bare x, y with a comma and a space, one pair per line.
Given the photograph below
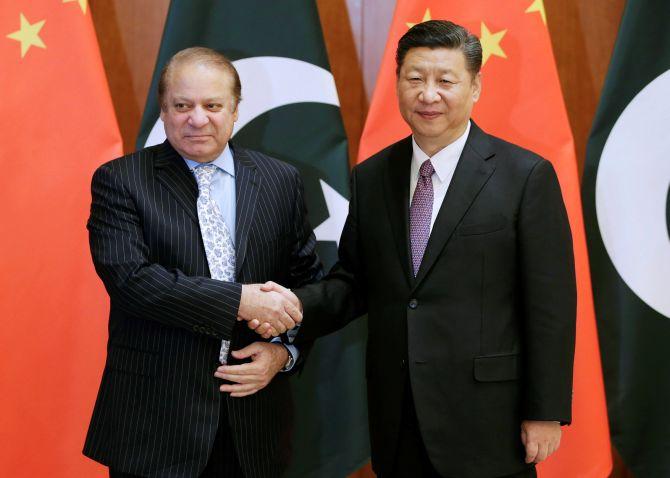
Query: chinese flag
521, 102
57, 126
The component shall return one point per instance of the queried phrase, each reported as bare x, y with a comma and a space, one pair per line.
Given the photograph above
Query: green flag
626, 205
290, 110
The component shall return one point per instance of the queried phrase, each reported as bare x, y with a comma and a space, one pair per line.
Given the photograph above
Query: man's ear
476, 87
236, 113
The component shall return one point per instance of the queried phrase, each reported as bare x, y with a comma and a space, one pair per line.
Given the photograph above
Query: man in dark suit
458, 247
175, 231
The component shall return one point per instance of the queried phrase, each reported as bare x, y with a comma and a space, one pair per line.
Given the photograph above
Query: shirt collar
443, 158
224, 162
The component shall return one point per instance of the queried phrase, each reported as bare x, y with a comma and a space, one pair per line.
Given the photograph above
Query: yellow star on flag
28, 35
426, 17
538, 6
491, 43
82, 4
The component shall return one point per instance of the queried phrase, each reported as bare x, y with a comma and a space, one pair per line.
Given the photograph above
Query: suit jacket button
413, 304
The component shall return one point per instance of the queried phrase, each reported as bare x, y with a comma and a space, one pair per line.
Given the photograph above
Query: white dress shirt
444, 162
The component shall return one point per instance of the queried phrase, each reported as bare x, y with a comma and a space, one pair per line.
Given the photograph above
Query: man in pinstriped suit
161, 411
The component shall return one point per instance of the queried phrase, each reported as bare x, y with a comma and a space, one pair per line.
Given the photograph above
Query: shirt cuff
292, 350
292, 333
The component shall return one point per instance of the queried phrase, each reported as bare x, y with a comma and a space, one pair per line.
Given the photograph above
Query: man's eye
444, 81
214, 106
180, 106
415, 79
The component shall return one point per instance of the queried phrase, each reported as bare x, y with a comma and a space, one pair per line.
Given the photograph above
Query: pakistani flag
290, 110
627, 211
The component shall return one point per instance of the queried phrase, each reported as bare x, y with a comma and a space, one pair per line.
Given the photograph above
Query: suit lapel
172, 172
247, 183
396, 189
471, 174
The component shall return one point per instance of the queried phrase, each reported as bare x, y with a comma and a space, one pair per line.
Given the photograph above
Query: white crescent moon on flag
632, 194
269, 82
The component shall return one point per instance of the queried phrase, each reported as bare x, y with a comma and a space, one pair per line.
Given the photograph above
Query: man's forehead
189, 76
434, 57
187, 97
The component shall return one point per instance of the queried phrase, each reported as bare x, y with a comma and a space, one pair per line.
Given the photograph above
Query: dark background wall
583, 34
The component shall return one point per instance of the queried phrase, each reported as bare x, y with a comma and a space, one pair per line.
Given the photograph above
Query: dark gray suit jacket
485, 332
158, 405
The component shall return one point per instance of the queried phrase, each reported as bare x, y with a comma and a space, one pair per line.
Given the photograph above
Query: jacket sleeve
549, 298
333, 302
144, 289
306, 265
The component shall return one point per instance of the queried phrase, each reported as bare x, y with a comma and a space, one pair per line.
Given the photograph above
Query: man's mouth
429, 114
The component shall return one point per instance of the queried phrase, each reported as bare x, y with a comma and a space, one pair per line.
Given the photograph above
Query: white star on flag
338, 207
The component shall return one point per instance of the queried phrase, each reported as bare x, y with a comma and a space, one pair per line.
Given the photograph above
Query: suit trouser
412, 459
223, 461
411, 456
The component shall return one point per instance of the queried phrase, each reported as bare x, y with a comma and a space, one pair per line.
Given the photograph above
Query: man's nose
429, 94
198, 117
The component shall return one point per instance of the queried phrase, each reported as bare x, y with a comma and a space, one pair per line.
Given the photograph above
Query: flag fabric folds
521, 102
58, 126
290, 110
627, 215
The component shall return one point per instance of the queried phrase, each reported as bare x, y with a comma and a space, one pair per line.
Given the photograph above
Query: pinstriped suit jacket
158, 405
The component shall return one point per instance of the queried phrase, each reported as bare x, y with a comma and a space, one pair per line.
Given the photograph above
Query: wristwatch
290, 362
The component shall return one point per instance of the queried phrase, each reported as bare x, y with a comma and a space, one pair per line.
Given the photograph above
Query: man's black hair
441, 34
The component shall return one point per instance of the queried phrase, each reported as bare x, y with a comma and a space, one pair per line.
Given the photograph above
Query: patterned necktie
216, 237
420, 213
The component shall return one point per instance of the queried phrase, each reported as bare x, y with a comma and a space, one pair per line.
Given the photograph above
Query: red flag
521, 102
57, 126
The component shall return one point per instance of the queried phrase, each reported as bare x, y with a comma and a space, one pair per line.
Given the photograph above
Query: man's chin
428, 133
201, 155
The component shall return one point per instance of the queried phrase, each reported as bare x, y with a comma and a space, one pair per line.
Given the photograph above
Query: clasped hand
248, 378
269, 309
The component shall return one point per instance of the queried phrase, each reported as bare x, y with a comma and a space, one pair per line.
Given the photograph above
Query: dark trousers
412, 459
411, 456
223, 461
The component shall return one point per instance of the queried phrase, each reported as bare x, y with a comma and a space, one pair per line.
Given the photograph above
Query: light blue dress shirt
223, 192
223, 187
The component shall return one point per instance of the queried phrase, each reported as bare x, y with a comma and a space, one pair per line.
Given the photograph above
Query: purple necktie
420, 212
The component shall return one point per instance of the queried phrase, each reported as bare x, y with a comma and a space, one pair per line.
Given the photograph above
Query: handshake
269, 309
